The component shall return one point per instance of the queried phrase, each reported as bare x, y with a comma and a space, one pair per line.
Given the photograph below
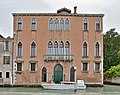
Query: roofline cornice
57, 14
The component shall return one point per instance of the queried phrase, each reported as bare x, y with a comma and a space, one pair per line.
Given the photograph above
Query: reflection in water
106, 90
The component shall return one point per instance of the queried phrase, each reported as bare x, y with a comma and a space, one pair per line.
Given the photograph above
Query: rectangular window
97, 67
6, 60
85, 67
7, 75
33, 67
19, 66
0, 74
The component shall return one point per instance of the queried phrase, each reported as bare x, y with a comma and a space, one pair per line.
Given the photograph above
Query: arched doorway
44, 74
72, 74
58, 73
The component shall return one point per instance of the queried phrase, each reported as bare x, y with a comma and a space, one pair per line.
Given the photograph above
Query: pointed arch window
61, 48
67, 22
72, 74
67, 48
55, 48
97, 47
85, 24
85, 49
44, 75
19, 50
97, 24
61, 24
51, 25
50, 47
56, 24
33, 49
33, 27
19, 24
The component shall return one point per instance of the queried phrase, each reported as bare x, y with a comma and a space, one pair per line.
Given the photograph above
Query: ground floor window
85, 67
72, 74
0, 74
19, 66
44, 75
97, 67
7, 74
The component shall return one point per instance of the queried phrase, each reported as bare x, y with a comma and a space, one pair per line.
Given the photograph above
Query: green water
106, 90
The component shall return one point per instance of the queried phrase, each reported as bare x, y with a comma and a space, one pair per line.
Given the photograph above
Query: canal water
106, 90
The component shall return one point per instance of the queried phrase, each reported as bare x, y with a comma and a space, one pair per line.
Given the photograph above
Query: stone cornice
57, 14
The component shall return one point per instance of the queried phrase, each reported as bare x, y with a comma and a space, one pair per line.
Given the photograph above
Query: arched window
85, 24
67, 48
61, 24
19, 24
19, 50
97, 49
97, 24
56, 24
33, 49
72, 74
51, 25
44, 75
61, 48
33, 27
50, 47
84, 49
67, 27
55, 48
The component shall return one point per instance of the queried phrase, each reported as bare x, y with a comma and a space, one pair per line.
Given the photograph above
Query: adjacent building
49, 46
6, 60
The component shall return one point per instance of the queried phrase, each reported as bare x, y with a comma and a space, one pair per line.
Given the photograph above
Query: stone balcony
58, 58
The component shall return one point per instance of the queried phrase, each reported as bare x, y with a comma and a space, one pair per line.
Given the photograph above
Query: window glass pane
85, 67
97, 66
97, 24
19, 66
61, 24
33, 24
85, 49
67, 24
33, 65
19, 49
33, 49
51, 27
19, 24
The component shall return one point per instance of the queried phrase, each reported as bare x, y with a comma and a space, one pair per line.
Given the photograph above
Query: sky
110, 8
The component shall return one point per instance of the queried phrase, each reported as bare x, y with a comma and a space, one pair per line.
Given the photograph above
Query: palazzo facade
47, 47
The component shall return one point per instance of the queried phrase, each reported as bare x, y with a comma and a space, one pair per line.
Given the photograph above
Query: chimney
75, 10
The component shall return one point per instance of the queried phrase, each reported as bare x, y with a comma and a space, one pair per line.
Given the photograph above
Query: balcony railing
58, 57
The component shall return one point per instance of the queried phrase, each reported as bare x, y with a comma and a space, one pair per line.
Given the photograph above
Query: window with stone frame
85, 24
67, 24
19, 67
85, 66
32, 66
19, 26
97, 24
97, 66
6, 60
85, 49
33, 49
33, 27
7, 74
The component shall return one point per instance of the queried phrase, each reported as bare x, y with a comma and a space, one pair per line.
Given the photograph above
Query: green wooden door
58, 73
